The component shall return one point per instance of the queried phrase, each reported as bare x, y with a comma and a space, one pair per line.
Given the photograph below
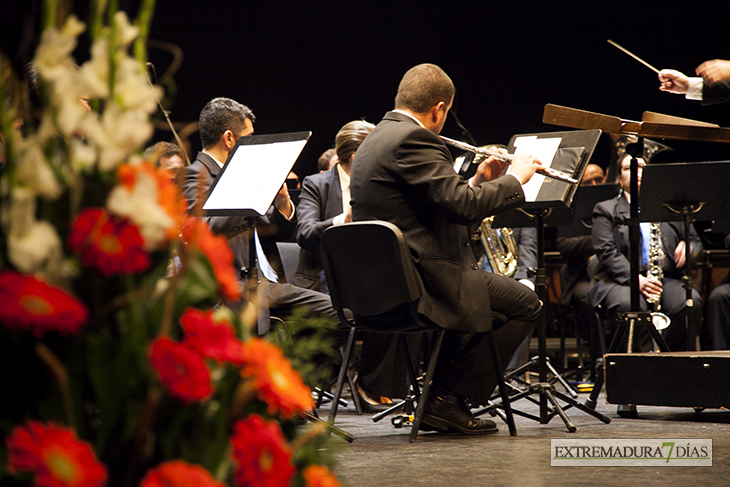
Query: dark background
317, 65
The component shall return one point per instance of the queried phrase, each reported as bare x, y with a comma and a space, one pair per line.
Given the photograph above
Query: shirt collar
344, 177
409, 115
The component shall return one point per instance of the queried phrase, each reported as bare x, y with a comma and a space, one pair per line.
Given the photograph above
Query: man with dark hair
222, 122
403, 173
166, 155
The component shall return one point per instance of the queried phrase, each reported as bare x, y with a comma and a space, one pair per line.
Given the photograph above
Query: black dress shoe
448, 413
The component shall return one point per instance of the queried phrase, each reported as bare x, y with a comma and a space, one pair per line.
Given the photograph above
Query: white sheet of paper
254, 173
542, 149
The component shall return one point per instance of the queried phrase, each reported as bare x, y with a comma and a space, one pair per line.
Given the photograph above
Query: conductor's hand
283, 202
649, 286
524, 166
673, 81
714, 71
490, 168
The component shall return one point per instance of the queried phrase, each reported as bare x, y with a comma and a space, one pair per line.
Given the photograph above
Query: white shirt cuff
695, 89
339, 219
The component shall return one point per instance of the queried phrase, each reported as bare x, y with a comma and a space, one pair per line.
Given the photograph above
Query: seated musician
325, 201
610, 287
403, 173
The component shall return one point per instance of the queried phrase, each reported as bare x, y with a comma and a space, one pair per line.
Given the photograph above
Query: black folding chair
370, 271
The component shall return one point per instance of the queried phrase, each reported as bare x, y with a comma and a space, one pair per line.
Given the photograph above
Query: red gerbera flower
181, 370
111, 245
261, 455
29, 304
210, 338
319, 476
276, 382
198, 236
179, 474
54, 455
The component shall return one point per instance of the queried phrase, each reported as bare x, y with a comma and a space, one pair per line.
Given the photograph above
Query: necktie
645, 242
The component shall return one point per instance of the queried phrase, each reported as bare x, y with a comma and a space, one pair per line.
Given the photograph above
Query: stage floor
382, 456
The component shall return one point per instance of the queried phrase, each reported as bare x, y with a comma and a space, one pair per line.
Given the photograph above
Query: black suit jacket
197, 180
611, 244
716, 92
403, 173
319, 203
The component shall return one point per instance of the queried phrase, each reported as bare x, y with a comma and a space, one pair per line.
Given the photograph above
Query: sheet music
544, 150
253, 175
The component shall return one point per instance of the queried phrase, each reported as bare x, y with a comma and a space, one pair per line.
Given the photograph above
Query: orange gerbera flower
54, 455
262, 457
276, 382
29, 304
198, 236
210, 338
319, 476
179, 474
168, 194
111, 245
181, 370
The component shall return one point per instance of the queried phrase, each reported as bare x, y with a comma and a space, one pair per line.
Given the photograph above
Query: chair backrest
369, 268
289, 254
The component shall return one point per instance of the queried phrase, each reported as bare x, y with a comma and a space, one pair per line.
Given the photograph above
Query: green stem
6, 121
50, 9
143, 21
95, 18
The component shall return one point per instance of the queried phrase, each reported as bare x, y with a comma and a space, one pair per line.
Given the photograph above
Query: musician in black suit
325, 201
222, 122
610, 287
403, 173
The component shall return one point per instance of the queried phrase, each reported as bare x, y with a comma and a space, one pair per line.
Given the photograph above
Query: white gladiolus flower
52, 57
83, 156
126, 32
133, 90
94, 77
38, 248
34, 171
32, 245
140, 206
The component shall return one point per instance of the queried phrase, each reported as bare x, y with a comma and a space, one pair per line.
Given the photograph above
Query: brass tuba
500, 248
651, 148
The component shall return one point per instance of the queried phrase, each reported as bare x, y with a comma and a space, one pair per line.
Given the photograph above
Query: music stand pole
635, 316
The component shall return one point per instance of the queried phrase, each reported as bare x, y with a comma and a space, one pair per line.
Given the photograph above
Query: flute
507, 159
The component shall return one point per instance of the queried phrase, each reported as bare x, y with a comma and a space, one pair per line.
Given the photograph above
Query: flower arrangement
120, 371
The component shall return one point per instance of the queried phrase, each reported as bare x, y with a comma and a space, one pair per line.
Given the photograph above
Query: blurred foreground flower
319, 476
276, 383
54, 455
109, 245
27, 303
211, 338
260, 453
179, 474
181, 370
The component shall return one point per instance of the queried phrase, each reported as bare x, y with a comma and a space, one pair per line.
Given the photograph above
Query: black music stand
551, 202
246, 187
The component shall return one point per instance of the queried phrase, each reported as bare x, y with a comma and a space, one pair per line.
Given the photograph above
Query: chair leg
341, 375
502, 387
435, 352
